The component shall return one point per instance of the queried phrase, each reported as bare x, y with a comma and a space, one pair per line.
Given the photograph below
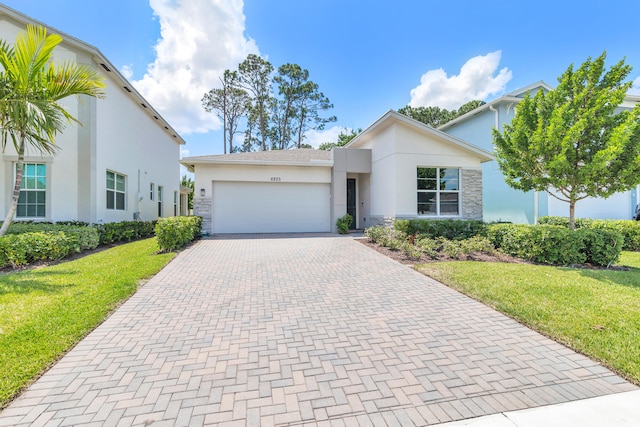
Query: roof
101, 61
392, 116
512, 97
293, 157
516, 96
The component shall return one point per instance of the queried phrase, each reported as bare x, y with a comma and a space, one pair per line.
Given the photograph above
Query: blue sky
366, 56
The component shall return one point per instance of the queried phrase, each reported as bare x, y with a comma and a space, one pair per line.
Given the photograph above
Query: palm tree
30, 87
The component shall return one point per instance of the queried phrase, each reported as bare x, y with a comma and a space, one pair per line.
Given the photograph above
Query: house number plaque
276, 179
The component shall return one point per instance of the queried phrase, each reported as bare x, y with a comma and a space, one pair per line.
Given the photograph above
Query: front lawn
44, 312
595, 312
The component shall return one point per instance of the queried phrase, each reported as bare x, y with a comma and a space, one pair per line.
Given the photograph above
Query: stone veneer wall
202, 208
471, 194
471, 197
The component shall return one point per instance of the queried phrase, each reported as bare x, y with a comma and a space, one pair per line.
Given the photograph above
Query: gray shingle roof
302, 155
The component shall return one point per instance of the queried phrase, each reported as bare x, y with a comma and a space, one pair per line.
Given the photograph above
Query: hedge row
630, 229
557, 245
447, 228
124, 231
176, 232
597, 242
28, 242
22, 249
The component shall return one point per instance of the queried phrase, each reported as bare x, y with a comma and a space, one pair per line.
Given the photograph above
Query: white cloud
635, 88
476, 80
199, 39
127, 71
315, 138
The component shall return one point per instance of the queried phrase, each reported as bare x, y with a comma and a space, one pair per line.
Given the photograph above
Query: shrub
21, 249
629, 229
343, 223
601, 247
174, 233
544, 244
385, 236
448, 228
410, 250
88, 237
124, 231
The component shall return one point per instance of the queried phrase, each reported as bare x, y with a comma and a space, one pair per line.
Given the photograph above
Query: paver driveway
292, 331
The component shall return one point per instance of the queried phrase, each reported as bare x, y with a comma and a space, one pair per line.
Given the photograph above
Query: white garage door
265, 207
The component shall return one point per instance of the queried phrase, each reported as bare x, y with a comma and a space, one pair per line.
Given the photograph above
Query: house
121, 164
397, 168
501, 202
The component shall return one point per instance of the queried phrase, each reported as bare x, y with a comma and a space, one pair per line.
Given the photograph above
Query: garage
270, 207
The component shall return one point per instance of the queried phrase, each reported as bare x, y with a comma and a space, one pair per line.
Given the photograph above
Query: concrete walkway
304, 331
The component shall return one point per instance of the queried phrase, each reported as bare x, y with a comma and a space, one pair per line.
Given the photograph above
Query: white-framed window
32, 202
116, 191
152, 191
438, 191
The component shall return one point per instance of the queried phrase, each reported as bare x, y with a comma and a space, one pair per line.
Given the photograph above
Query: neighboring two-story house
501, 202
121, 164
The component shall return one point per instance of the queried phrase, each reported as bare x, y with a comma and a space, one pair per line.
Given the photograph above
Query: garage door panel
259, 207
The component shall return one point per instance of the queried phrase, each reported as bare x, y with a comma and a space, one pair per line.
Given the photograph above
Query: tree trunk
572, 211
16, 193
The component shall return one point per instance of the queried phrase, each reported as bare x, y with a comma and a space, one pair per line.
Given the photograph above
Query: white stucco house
396, 168
121, 164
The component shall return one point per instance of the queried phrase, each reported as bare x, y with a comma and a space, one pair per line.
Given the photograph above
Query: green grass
44, 312
596, 312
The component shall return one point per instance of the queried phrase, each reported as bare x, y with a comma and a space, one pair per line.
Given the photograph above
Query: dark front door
351, 200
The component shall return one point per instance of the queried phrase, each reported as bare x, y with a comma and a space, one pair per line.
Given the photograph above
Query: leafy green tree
572, 141
255, 76
436, 116
30, 87
289, 81
432, 116
309, 105
344, 138
230, 103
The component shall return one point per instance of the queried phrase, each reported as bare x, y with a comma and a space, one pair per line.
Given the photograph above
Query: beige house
396, 168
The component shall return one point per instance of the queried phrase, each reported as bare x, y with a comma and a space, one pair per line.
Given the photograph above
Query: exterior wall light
202, 192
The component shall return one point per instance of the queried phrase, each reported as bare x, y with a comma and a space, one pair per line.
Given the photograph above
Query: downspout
497, 123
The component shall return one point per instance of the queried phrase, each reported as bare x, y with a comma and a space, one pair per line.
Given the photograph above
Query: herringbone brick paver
302, 331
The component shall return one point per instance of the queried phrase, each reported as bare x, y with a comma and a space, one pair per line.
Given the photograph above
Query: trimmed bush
544, 244
448, 228
124, 231
343, 223
175, 232
88, 237
557, 244
601, 247
630, 229
22, 249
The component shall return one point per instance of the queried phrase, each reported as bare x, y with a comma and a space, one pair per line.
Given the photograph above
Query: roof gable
515, 96
392, 117
100, 61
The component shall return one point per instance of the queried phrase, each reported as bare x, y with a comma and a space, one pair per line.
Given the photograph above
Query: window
160, 200
152, 191
175, 203
116, 191
438, 191
32, 202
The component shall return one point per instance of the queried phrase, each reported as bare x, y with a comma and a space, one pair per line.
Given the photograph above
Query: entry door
351, 201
